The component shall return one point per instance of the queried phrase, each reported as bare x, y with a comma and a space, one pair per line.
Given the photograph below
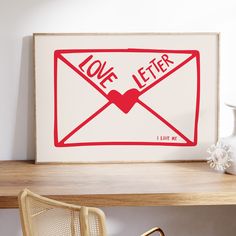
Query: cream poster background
172, 98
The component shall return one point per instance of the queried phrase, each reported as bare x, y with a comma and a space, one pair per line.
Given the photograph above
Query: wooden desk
159, 184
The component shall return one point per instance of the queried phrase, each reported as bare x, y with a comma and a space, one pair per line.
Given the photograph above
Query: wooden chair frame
151, 231
83, 215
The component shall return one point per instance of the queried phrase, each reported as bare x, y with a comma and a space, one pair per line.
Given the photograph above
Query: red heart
126, 101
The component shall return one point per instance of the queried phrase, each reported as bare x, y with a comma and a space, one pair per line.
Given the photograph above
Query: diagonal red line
85, 122
164, 121
82, 75
141, 92
167, 74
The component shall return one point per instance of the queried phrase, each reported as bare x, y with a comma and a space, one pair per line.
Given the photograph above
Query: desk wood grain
154, 184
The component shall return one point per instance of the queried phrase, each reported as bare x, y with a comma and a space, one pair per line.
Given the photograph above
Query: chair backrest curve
48, 217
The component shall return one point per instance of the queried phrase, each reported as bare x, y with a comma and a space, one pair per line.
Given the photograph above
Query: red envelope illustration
126, 97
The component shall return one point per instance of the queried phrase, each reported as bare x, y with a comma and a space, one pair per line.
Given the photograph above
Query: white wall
132, 221
19, 19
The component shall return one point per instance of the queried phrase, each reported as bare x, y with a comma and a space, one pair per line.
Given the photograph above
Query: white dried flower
220, 156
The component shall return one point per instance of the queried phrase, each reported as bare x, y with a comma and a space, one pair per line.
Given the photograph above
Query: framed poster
140, 97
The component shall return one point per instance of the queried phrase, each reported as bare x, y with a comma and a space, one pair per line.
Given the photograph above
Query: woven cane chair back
41, 216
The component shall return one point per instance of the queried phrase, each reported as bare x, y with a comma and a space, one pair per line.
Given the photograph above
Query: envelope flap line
194, 55
81, 125
189, 142
59, 56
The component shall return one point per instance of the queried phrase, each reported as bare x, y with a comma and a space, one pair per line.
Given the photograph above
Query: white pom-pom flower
220, 156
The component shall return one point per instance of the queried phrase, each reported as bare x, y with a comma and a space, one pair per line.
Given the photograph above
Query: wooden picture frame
132, 97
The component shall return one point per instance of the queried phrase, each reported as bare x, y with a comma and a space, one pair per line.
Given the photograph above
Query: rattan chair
41, 216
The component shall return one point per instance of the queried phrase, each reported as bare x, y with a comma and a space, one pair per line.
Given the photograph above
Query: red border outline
57, 55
